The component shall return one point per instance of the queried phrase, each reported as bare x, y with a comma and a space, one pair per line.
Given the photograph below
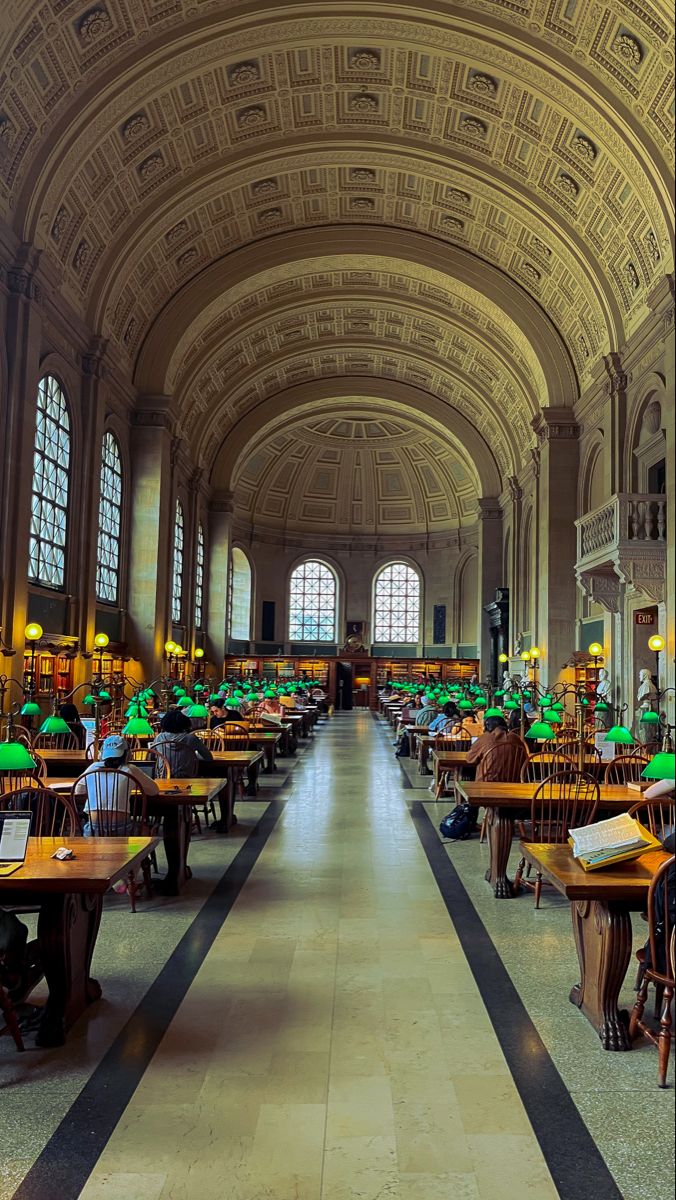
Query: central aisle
334, 1044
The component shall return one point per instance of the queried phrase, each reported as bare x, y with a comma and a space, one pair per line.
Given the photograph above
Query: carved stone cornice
222, 502
515, 490
603, 588
92, 360
556, 424
154, 412
617, 377
490, 508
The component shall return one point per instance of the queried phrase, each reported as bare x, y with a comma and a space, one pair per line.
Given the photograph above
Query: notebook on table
15, 829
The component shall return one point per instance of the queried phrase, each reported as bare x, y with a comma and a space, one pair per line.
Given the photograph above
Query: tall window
49, 499
199, 579
312, 603
397, 605
110, 522
177, 582
240, 595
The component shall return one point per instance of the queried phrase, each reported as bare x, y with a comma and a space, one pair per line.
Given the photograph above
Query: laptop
15, 828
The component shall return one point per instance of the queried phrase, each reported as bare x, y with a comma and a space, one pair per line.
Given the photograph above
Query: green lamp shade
499, 692
619, 734
480, 702
552, 716
104, 697
527, 697
138, 727
185, 702
512, 705
197, 710
15, 757
545, 702
136, 710
660, 767
54, 725
601, 707
540, 731
214, 697
30, 709
584, 700
90, 699
649, 718
199, 687
269, 695
465, 705
557, 707
492, 712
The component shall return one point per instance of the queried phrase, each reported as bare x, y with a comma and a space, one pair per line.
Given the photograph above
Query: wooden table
444, 760
600, 903
506, 801
69, 897
265, 740
174, 805
64, 762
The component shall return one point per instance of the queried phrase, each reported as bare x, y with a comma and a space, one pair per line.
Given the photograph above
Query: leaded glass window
177, 581
397, 605
110, 522
49, 496
240, 595
199, 580
312, 603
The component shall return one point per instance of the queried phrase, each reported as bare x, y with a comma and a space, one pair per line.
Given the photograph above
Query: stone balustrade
625, 518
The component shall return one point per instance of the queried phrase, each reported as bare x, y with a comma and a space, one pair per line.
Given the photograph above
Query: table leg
67, 929
269, 753
500, 833
176, 835
252, 780
603, 942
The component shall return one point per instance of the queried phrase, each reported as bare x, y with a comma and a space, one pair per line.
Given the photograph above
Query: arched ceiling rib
91, 156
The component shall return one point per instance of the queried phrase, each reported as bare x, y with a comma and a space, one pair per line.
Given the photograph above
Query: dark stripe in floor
576, 1165
68, 1159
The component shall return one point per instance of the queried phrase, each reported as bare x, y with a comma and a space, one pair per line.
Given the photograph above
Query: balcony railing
625, 518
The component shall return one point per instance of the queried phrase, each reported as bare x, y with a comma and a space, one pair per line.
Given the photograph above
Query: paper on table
617, 832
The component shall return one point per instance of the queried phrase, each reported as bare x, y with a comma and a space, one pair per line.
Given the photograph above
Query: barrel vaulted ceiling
471, 201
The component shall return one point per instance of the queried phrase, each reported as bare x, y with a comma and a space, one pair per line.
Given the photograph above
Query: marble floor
318, 1032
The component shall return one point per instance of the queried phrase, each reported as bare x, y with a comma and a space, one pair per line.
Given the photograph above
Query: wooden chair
452, 737
53, 813
658, 816
625, 768
153, 760
563, 801
210, 737
114, 799
233, 736
656, 964
570, 749
55, 741
544, 763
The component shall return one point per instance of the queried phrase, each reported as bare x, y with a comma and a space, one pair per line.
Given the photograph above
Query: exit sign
644, 618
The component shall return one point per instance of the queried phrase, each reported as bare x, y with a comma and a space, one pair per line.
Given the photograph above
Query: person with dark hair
498, 754
69, 714
177, 743
446, 719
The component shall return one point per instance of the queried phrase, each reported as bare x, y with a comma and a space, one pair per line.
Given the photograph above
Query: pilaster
221, 511
490, 572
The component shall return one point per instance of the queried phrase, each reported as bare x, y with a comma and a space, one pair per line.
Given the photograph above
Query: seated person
271, 710
446, 719
473, 724
498, 754
179, 745
69, 714
287, 701
113, 791
428, 711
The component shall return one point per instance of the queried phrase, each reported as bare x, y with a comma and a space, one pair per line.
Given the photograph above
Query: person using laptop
111, 793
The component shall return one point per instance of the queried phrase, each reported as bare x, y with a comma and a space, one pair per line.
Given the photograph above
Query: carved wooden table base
603, 941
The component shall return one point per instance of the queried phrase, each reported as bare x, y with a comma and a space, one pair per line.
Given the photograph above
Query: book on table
617, 839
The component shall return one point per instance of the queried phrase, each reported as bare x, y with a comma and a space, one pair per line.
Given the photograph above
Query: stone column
616, 424
490, 573
661, 301
23, 341
83, 582
555, 586
152, 523
221, 508
513, 581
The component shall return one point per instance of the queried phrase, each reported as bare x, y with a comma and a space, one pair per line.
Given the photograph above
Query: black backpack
458, 825
404, 747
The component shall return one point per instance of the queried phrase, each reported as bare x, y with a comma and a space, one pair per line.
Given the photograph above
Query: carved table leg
500, 832
603, 942
67, 929
176, 836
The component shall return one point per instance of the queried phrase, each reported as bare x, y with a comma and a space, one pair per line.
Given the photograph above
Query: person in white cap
112, 793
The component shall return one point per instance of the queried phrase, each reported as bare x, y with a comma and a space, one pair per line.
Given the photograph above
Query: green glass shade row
540, 731
137, 727
662, 766
619, 734
54, 725
15, 757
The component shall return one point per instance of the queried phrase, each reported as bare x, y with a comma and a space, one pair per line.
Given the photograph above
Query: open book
614, 840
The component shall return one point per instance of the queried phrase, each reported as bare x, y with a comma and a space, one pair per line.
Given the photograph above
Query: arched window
110, 522
49, 499
240, 596
199, 579
397, 605
312, 603
177, 581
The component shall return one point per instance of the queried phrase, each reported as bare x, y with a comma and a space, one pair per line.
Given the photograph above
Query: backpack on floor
404, 747
458, 824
